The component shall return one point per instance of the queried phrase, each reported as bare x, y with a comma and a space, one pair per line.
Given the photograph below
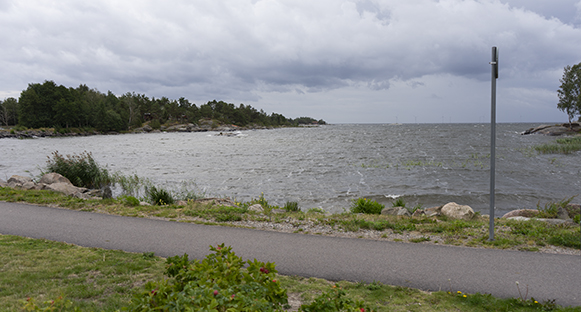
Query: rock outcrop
555, 130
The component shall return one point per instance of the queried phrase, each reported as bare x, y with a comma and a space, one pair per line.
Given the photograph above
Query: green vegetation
291, 207
399, 202
217, 283
41, 275
561, 146
62, 108
363, 205
93, 279
81, 170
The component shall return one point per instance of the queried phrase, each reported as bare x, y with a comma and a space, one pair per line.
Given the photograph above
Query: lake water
328, 166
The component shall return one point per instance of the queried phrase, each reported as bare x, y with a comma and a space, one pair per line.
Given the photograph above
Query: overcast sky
345, 61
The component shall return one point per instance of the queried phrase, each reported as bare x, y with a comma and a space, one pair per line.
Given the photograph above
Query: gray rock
529, 213
18, 181
106, 192
65, 188
434, 211
549, 221
53, 177
3, 183
256, 208
455, 211
562, 214
29, 186
395, 211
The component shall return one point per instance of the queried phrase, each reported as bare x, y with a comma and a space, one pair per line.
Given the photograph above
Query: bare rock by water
455, 211
527, 213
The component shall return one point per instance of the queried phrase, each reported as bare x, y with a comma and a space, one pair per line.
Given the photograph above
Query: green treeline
47, 105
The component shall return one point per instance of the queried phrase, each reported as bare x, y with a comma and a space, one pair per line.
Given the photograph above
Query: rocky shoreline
203, 125
58, 183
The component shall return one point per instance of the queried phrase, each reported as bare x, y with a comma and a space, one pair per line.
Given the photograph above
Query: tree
570, 91
9, 112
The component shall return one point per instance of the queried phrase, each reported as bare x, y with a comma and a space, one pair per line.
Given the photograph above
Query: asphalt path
421, 266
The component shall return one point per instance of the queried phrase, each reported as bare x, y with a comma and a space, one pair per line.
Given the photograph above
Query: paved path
426, 267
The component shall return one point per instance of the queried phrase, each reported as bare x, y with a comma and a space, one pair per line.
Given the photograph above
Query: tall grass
82, 170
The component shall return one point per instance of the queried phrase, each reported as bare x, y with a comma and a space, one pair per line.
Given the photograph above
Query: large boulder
53, 177
395, 211
455, 211
3, 183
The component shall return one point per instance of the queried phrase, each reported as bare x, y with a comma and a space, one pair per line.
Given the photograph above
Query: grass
94, 279
561, 146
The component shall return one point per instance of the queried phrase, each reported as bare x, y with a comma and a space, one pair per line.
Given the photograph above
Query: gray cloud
240, 51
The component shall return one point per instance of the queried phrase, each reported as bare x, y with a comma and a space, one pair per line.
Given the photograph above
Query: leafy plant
82, 170
217, 283
363, 205
291, 207
551, 210
159, 196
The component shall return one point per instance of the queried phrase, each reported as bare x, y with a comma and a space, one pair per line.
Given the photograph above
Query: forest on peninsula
48, 105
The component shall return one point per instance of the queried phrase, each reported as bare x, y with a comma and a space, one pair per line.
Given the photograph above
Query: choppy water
327, 167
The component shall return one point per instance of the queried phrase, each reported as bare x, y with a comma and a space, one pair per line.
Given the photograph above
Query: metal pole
494, 64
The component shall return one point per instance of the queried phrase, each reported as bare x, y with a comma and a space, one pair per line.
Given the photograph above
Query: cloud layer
345, 61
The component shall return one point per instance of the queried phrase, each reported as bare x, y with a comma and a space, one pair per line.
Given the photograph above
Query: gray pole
494, 64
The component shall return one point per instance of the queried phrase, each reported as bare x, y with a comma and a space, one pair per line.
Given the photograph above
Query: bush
362, 205
159, 196
217, 283
81, 170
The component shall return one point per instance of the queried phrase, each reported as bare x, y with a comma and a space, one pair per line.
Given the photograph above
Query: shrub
291, 207
217, 283
82, 170
159, 196
130, 201
363, 205
334, 300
